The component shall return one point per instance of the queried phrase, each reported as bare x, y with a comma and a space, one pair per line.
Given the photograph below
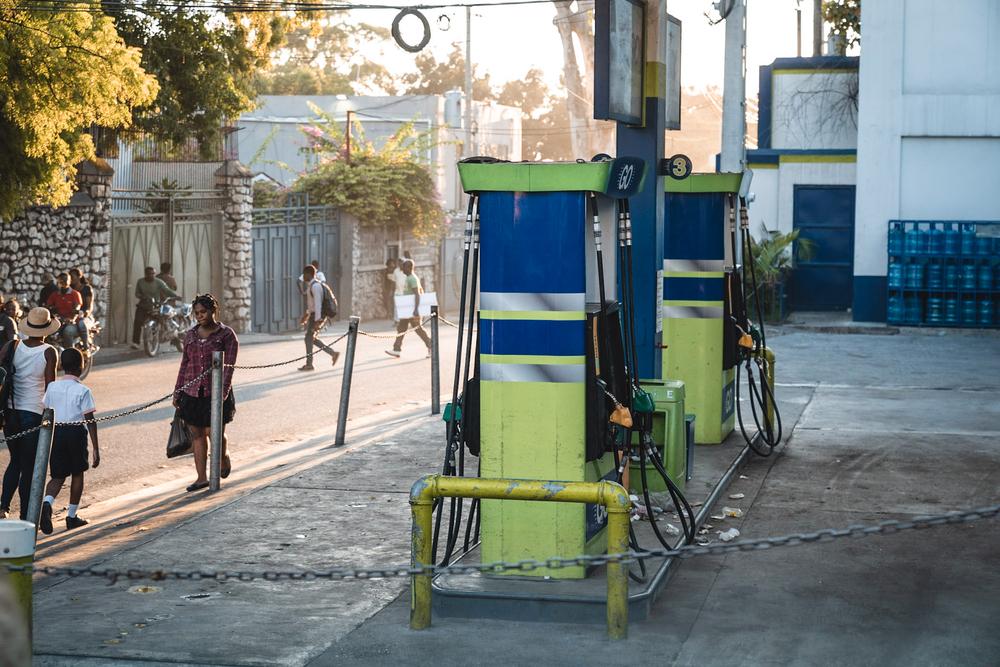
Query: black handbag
179, 442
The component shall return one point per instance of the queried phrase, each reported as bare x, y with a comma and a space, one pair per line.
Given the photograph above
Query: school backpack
328, 308
7, 378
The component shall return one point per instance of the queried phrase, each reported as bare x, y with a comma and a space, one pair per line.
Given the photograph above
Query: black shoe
45, 521
307, 367
197, 486
75, 522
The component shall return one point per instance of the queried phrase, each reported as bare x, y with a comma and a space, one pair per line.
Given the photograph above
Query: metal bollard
215, 472
17, 549
41, 469
345, 386
769, 372
435, 363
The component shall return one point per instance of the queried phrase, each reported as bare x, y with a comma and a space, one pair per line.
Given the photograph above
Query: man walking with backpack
321, 305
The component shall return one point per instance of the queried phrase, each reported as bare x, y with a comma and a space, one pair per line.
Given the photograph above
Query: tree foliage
60, 73
384, 186
206, 61
844, 17
434, 77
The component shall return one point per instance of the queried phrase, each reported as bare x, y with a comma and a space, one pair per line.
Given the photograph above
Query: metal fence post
769, 361
345, 386
435, 363
41, 467
215, 474
17, 549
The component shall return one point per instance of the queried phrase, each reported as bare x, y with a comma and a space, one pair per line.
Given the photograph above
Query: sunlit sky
507, 41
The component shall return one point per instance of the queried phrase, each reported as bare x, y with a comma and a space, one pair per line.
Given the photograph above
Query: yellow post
609, 494
17, 548
769, 372
422, 509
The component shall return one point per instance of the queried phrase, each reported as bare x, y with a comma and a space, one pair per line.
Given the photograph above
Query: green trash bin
669, 436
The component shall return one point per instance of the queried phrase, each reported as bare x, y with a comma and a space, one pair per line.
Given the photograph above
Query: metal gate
824, 214
147, 229
284, 240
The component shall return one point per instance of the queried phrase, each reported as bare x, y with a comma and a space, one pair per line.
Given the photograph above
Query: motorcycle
63, 340
167, 324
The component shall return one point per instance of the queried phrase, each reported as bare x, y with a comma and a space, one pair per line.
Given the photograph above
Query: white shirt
400, 279
69, 398
29, 377
314, 299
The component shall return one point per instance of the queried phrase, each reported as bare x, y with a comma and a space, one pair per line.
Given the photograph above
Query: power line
260, 6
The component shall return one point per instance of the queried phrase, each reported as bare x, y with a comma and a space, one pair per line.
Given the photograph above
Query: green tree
384, 186
436, 78
205, 56
60, 73
844, 17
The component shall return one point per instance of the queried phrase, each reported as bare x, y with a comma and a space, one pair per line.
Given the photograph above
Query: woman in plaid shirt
194, 402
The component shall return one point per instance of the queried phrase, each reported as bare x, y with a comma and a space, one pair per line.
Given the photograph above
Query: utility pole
347, 135
734, 91
817, 27
467, 150
798, 28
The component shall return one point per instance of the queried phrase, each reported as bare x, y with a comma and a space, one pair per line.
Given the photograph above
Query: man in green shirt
149, 292
411, 285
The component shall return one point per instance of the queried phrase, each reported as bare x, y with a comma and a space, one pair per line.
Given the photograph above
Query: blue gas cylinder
985, 277
951, 310
913, 312
935, 312
968, 239
935, 276
984, 245
896, 275
969, 276
951, 276
914, 275
986, 312
896, 239
997, 279
969, 311
952, 239
935, 240
896, 312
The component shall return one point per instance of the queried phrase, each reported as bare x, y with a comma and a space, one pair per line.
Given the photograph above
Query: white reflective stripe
532, 301
694, 265
533, 372
692, 312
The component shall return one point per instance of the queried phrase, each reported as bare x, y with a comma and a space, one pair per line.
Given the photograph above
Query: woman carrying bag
194, 401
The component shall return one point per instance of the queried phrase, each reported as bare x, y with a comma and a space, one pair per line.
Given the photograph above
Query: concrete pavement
884, 427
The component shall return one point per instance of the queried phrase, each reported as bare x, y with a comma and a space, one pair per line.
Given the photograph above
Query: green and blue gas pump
699, 266
541, 387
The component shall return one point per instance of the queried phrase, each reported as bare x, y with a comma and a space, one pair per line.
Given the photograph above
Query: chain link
389, 336
891, 527
283, 363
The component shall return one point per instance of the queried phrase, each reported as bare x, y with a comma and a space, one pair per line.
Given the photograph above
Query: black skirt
69, 451
197, 410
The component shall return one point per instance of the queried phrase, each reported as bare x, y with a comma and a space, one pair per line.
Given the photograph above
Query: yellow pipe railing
609, 494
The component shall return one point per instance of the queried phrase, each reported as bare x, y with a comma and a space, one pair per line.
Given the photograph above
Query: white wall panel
948, 178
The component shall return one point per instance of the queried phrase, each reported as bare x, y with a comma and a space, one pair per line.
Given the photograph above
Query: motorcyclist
67, 303
149, 291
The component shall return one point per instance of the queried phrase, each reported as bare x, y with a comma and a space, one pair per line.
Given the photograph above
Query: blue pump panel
695, 227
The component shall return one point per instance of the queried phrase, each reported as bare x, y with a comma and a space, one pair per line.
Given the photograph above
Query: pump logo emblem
626, 176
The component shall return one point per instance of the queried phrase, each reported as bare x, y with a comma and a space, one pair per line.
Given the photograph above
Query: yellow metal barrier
610, 494
769, 373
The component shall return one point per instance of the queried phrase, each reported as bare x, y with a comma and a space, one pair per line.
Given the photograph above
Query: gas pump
545, 386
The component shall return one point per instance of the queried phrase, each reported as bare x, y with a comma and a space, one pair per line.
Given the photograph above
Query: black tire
179, 345
151, 338
88, 363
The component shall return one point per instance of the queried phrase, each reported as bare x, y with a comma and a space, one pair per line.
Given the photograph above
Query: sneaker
134, 346
429, 355
334, 357
393, 353
45, 520
307, 367
75, 522
4, 512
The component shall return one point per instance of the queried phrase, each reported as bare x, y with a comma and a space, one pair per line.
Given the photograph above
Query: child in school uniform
71, 401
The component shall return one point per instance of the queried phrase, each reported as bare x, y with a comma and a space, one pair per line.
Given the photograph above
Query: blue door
824, 214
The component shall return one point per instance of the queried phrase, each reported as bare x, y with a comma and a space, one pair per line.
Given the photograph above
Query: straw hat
40, 323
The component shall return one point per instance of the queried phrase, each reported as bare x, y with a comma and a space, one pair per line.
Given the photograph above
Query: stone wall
52, 240
369, 253
234, 180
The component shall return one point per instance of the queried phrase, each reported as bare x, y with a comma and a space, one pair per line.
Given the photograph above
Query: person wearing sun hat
34, 364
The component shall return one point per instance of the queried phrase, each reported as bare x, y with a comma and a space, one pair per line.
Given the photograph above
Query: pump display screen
619, 60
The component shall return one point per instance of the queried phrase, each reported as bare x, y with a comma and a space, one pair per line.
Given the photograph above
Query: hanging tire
151, 338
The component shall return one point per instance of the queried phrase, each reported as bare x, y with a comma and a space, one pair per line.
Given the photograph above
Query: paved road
275, 408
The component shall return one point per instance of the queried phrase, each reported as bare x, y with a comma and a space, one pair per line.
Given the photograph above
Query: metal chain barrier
390, 336
282, 363
891, 527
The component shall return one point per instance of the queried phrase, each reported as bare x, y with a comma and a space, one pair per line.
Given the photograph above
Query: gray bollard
435, 363
215, 472
17, 550
41, 467
345, 386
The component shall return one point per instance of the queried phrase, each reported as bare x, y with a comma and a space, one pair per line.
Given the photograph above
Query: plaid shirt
198, 356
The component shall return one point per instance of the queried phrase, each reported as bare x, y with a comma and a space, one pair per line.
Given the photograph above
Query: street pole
215, 474
798, 32
345, 385
435, 363
347, 137
817, 28
41, 469
17, 549
467, 149
734, 91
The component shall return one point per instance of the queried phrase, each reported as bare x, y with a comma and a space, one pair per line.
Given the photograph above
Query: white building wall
814, 109
929, 118
764, 208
